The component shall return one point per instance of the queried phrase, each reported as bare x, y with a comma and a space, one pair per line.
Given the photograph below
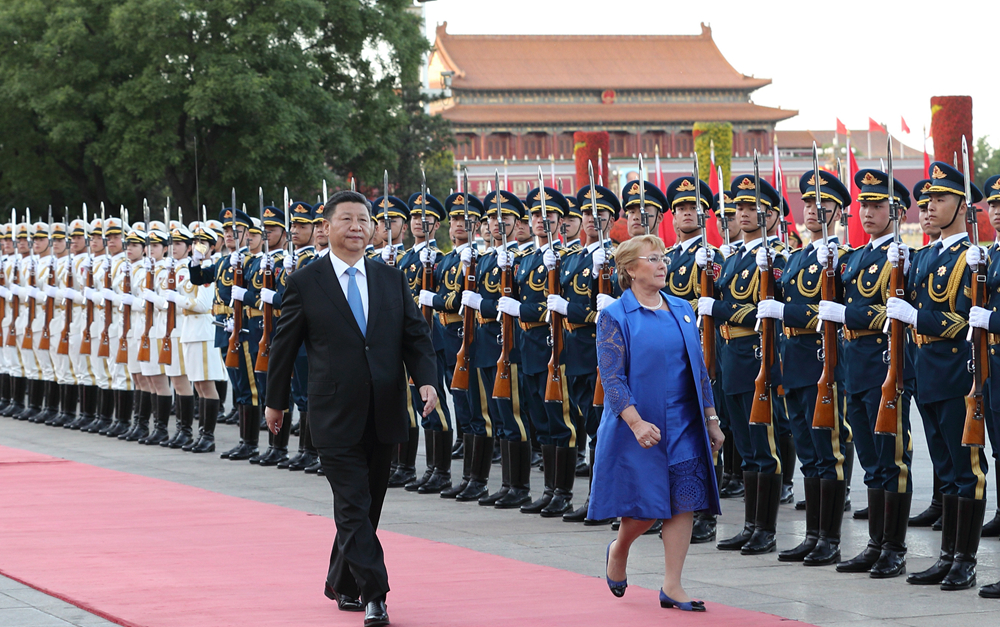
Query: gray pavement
814, 595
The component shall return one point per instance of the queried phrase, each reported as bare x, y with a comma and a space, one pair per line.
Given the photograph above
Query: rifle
553, 385
15, 305
143, 354
427, 273
386, 219
63, 348
29, 340
643, 216
43, 344
892, 387
722, 207
233, 352
845, 215
707, 278
85, 340
761, 410
460, 378
604, 276
264, 346
825, 413
502, 383
104, 346
122, 356
974, 434
167, 348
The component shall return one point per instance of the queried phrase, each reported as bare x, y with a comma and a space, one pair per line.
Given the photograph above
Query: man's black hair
344, 195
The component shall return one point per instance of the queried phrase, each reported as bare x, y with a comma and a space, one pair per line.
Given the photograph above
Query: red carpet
152, 553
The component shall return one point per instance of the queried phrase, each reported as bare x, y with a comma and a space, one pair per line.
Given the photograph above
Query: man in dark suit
357, 388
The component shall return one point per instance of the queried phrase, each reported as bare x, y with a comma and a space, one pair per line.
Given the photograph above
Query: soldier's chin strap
961, 201
777, 217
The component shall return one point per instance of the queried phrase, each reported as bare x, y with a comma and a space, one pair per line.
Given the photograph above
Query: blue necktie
354, 300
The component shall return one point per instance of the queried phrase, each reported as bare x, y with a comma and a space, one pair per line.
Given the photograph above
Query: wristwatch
709, 419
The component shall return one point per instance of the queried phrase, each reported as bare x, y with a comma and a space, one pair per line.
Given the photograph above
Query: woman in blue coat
659, 429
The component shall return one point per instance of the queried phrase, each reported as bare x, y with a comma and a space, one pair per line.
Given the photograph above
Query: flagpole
849, 181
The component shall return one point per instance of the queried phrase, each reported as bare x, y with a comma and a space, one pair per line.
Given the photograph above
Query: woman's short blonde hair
627, 255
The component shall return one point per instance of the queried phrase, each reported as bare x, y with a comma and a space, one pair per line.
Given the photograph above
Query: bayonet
423, 206
593, 204
386, 220
643, 217
325, 196
722, 206
260, 202
545, 216
289, 245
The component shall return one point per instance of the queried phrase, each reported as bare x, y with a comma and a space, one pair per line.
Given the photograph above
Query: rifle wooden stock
603, 287
427, 283
43, 343
63, 348
15, 311
29, 338
974, 433
554, 383
460, 378
104, 344
143, 353
167, 348
708, 322
233, 352
761, 410
502, 384
122, 356
85, 339
825, 412
892, 387
264, 347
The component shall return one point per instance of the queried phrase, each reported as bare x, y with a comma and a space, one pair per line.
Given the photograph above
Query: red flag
927, 159
841, 129
666, 230
906, 129
858, 236
875, 127
713, 179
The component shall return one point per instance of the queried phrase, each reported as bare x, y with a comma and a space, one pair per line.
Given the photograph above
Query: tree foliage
721, 135
987, 161
116, 100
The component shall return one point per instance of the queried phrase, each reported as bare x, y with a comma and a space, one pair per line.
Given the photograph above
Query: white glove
762, 257
899, 309
504, 259
171, 296
36, 294
239, 293
726, 250
701, 257
73, 295
87, 262
471, 299
288, 262
147, 264
549, 259
128, 300
51, 291
705, 305
899, 252
4, 292
979, 317
235, 259
426, 255
770, 308
426, 298
599, 258
509, 306
975, 255
229, 325
109, 294
558, 304
267, 295
197, 256
15, 290
466, 257
150, 296
388, 254
823, 255
604, 300
830, 311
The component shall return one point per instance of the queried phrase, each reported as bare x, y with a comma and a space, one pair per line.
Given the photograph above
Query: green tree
721, 135
987, 161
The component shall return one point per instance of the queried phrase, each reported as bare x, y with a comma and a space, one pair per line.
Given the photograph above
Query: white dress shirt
340, 269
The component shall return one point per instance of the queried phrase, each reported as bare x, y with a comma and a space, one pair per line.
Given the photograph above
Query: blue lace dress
652, 360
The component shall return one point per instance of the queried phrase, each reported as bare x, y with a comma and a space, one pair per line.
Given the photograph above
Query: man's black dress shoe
344, 602
375, 613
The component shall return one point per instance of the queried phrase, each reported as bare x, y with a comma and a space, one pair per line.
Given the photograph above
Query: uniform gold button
954, 350
789, 299
878, 340
850, 300
819, 342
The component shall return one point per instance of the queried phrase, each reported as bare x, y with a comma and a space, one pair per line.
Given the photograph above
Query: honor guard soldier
15, 329
44, 262
885, 458
53, 307
418, 263
399, 218
579, 286
551, 418
735, 311
86, 392
8, 372
101, 268
161, 398
129, 284
821, 451
122, 395
937, 308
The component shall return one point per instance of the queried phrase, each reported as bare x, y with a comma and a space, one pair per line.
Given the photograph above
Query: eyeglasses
654, 259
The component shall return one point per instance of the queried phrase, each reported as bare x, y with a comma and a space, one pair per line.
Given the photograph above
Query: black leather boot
250, 426
962, 574
992, 528
5, 392
302, 425
930, 515
703, 529
53, 395
863, 562
210, 411
765, 522
199, 413
479, 472
124, 411
458, 450
36, 392
17, 388
61, 417
407, 469
466, 448
787, 444
414, 485
491, 499
144, 410
139, 395
892, 561
562, 496
185, 423
549, 473
749, 515
441, 477
581, 513
105, 412
831, 518
309, 454
991, 591
88, 401
736, 486
278, 451
161, 421
813, 508
848, 473
949, 522
519, 493
222, 388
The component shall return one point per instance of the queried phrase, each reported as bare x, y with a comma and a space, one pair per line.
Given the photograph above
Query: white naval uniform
202, 361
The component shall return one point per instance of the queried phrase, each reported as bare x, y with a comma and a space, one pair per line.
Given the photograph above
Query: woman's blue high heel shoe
617, 587
691, 606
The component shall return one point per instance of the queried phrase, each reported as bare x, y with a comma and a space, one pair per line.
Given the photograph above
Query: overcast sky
879, 59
